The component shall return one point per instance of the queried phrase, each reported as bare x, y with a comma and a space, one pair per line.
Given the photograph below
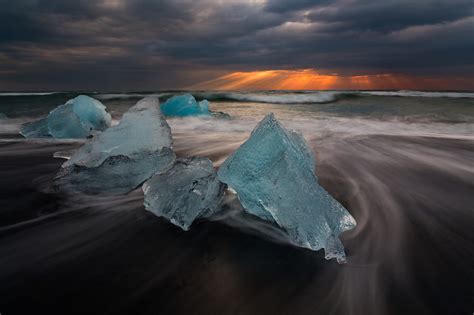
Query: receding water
401, 164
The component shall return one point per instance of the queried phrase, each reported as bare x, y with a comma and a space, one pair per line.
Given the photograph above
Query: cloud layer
166, 44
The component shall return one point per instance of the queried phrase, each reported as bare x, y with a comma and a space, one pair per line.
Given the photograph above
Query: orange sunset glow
310, 79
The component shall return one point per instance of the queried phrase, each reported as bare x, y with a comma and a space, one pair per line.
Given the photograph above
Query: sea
401, 162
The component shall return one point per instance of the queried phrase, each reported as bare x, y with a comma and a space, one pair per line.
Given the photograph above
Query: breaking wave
294, 97
259, 97
28, 93
274, 97
125, 96
407, 93
308, 97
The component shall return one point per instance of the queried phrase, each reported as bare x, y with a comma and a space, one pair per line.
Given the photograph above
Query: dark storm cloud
392, 15
152, 44
287, 6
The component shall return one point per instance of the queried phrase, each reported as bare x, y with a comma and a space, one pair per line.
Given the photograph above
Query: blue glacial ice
185, 105
184, 193
273, 173
122, 157
36, 129
80, 117
3, 116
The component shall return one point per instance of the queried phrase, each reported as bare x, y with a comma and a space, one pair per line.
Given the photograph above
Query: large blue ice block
185, 105
122, 157
79, 118
273, 174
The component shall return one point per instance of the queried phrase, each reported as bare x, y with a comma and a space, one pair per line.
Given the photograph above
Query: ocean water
402, 162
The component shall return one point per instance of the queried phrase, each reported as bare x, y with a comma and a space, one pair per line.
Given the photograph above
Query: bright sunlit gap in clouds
310, 79
112, 4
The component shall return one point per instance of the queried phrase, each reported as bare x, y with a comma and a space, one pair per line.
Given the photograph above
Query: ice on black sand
184, 193
122, 157
79, 118
273, 173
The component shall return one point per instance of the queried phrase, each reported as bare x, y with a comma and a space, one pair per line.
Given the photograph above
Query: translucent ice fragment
185, 105
91, 112
64, 123
334, 249
78, 118
123, 156
36, 129
184, 193
273, 175
3, 116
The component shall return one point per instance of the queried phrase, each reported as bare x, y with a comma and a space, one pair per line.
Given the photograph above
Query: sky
144, 45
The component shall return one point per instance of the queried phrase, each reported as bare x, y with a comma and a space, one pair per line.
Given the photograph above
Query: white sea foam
219, 138
28, 93
308, 97
269, 97
111, 96
420, 94
329, 126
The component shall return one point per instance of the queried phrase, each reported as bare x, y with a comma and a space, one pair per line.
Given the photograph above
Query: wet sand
412, 252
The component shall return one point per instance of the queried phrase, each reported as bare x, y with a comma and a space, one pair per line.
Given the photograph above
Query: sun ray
310, 79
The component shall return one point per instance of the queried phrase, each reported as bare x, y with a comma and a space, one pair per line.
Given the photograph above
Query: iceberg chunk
3, 116
273, 173
185, 105
122, 157
78, 118
184, 193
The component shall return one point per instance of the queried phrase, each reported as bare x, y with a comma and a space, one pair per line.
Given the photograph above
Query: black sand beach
203, 157
411, 252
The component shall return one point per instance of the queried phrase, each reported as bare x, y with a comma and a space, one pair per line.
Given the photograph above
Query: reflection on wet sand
411, 253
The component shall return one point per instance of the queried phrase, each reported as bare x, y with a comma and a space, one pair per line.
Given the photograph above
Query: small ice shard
185, 105
122, 157
273, 173
184, 193
66, 155
78, 118
220, 115
3, 116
